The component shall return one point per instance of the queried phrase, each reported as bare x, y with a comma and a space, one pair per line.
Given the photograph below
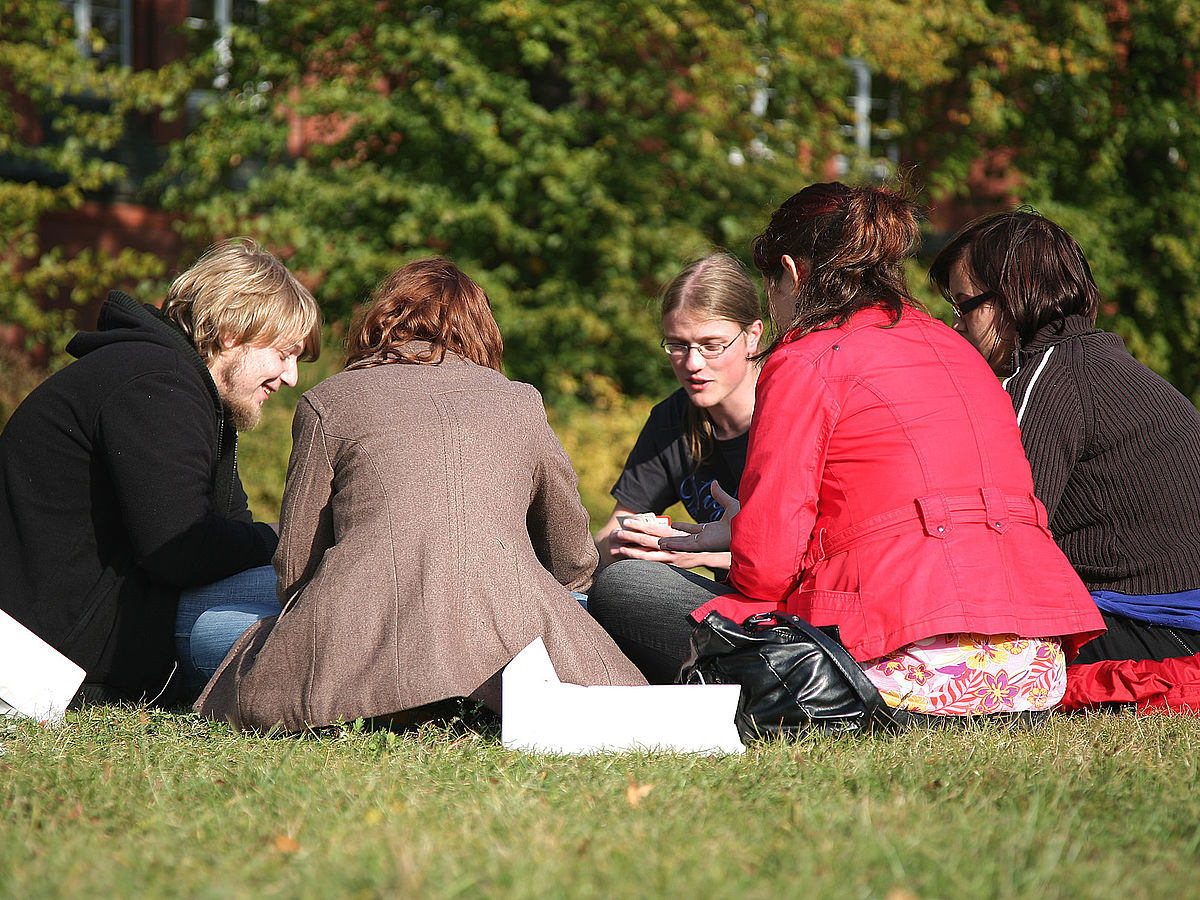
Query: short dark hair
429, 300
1034, 268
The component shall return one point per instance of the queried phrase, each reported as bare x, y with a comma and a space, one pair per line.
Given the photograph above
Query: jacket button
941, 528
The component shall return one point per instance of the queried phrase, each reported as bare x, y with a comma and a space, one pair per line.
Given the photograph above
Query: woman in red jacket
886, 491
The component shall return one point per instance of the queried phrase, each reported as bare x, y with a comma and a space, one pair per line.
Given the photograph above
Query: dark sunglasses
964, 308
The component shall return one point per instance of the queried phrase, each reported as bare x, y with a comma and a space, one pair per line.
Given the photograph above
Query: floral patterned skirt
972, 674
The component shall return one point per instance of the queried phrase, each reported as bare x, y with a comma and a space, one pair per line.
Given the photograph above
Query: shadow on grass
456, 717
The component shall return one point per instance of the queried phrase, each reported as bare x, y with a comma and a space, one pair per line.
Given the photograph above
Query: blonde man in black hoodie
119, 488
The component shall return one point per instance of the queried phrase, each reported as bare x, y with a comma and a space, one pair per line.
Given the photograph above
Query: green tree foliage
1113, 151
1090, 112
571, 156
61, 118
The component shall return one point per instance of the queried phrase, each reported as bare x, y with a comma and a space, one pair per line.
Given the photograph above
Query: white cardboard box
35, 679
544, 715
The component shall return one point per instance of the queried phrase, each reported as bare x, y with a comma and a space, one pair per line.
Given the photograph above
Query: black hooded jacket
119, 488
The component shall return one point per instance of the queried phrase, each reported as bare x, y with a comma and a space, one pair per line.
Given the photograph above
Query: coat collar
1052, 334
410, 352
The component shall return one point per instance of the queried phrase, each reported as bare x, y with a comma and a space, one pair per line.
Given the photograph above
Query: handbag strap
877, 710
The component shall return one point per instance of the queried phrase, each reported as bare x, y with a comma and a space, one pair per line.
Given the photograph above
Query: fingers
633, 527
624, 539
652, 555
681, 559
727, 500
712, 537
687, 544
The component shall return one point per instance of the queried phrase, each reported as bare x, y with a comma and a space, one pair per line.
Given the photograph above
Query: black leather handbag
793, 675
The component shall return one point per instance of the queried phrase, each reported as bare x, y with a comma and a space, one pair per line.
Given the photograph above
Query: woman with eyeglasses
692, 449
886, 493
1115, 451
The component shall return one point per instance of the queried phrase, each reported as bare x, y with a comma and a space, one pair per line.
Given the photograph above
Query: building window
214, 20
874, 142
105, 30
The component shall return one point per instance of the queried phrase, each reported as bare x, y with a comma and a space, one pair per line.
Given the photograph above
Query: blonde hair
239, 293
716, 286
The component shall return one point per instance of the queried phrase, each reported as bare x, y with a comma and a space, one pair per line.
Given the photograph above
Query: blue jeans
211, 618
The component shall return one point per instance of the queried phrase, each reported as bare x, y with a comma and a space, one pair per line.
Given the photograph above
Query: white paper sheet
544, 715
35, 679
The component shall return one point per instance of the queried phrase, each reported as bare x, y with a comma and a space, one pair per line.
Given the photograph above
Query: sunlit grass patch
122, 801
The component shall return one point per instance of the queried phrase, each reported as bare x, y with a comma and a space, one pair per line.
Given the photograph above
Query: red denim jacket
886, 492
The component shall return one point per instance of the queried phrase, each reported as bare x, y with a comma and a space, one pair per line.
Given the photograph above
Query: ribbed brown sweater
1115, 453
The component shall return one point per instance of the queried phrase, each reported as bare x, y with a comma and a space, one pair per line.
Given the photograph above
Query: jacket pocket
821, 606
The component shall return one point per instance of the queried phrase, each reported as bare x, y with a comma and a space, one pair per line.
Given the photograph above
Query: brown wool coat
431, 529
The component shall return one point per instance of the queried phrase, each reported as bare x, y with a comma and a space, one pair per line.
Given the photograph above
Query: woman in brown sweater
431, 528
1115, 452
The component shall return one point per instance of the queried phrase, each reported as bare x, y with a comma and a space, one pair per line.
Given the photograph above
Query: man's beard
245, 413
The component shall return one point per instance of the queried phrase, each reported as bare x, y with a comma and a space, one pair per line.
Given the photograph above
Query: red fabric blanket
1163, 687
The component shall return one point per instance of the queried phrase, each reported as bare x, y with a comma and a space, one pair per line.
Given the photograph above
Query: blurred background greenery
571, 156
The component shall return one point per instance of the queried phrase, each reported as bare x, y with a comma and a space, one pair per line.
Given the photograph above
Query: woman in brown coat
431, 528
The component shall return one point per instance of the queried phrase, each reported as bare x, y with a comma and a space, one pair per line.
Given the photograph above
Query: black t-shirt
659, 471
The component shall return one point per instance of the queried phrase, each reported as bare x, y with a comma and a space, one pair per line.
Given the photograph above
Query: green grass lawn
125, 802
